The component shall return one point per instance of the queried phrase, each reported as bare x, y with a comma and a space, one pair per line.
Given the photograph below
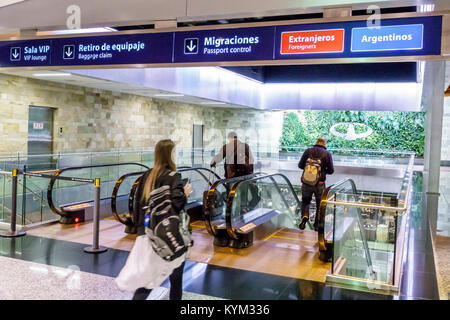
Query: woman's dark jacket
169, 178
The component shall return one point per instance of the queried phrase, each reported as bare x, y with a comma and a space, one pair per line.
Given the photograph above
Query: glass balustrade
185, 157
364, 233
264, 199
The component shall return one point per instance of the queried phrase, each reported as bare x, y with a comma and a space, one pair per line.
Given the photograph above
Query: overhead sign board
351, 39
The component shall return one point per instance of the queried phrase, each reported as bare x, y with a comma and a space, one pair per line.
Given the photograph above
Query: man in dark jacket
318, 151
238, 162
238, 157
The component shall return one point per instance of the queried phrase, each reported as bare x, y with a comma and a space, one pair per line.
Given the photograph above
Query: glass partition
70, 192
199, 179
365, 232
216, 202
260, 200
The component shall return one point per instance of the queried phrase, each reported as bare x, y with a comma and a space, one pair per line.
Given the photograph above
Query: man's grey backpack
168, 232
311, 173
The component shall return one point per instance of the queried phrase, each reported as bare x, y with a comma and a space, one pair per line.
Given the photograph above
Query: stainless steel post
13, 233
95, 248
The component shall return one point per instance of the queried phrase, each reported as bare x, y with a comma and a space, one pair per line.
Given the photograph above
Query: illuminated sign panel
320, 41
418, 36
389, 38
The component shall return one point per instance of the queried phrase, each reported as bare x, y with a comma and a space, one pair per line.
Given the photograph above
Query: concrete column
434, 87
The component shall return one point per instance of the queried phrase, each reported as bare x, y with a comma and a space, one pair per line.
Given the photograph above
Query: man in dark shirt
238, 157
318, 151
238, 162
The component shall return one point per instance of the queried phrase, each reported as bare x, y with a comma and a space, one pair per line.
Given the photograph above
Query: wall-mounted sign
318, 41
389, 38
38, 125
351, 39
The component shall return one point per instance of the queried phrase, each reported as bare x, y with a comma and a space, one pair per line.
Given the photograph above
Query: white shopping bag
144, 268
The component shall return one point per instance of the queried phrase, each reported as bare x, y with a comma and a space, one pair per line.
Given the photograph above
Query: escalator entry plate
247, 227
77, 206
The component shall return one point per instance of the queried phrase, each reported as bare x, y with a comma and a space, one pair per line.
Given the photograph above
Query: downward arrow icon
69, 52
191, 47
15, 54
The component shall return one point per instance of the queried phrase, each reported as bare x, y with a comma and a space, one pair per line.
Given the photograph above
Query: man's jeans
307, 193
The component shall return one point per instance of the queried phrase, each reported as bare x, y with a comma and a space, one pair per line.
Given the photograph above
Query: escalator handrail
207, 202
136, 184
60, 171
323, 206
181, 169
116, 191
232, 195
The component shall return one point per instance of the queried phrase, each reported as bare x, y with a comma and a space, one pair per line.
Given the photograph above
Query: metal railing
402, 198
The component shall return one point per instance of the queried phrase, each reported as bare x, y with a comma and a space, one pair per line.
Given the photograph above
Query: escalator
126, 186
73, 200
251, 207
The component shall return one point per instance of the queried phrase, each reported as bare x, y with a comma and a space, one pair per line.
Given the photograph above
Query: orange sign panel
318, 41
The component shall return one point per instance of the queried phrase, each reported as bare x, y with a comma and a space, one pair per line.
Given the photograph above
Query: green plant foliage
391, 130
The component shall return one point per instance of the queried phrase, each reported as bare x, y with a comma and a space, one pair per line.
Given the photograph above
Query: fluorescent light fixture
4, 3
52, 74
168, 95
213, 102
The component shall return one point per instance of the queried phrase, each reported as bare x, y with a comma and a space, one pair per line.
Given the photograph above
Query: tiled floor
289, 253
442, 244
443, 223
24, 280
59, 250
46, 255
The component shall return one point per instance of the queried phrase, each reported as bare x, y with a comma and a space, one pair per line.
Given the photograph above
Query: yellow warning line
292, 232
296, 239
196, 225
270, 236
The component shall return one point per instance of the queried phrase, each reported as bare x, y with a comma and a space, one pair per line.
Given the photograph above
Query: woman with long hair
163, 173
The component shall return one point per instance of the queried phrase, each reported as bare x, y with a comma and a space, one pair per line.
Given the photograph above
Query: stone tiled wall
98, 120
445, 155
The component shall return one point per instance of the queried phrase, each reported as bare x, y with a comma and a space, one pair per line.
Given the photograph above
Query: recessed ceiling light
168, 95
52, 74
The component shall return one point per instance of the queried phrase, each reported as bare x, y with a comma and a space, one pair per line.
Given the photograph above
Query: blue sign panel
242, 44
29, 53
118, 49
389, 38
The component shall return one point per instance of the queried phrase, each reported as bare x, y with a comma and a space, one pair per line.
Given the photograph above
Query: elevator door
40, 138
